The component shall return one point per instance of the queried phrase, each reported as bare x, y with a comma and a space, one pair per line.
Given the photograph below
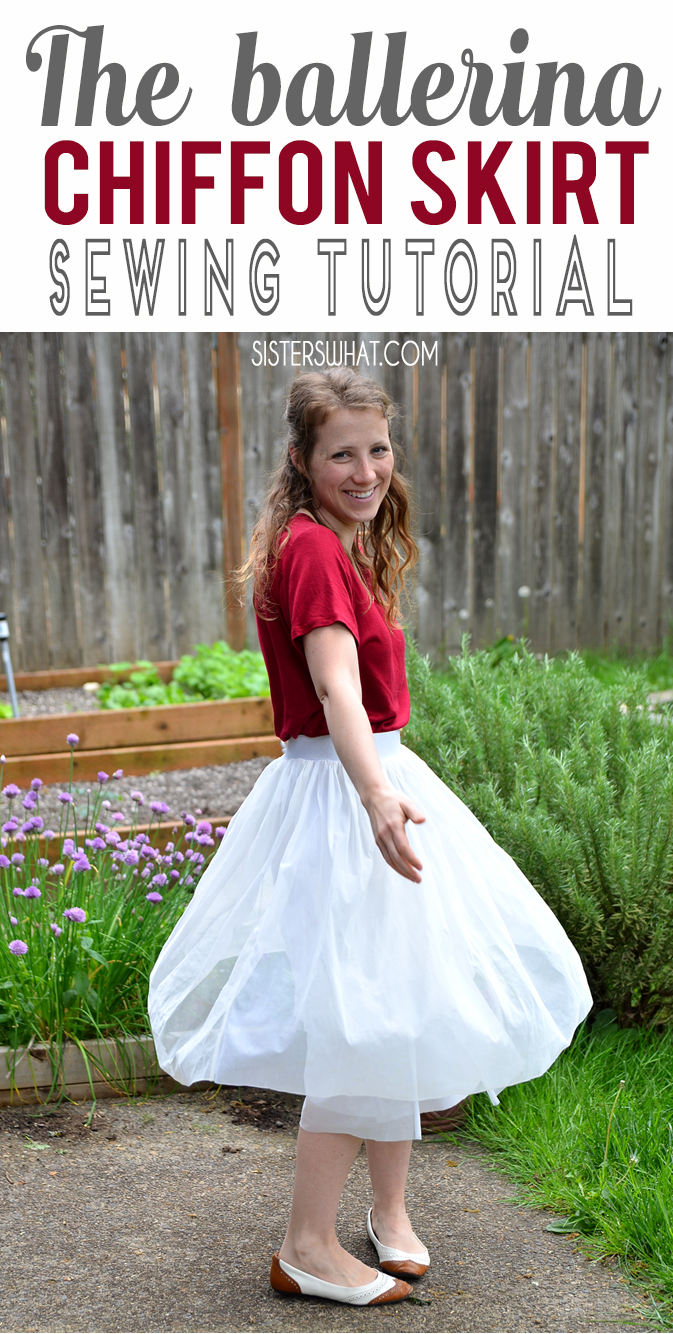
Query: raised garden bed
139, 741
116, 1069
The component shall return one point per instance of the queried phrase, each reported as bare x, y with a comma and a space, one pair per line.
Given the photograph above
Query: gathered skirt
304, 963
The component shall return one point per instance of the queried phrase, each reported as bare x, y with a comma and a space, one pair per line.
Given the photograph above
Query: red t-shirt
314, 584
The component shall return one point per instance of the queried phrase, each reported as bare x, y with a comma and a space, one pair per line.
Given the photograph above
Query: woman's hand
331, 655
388, 812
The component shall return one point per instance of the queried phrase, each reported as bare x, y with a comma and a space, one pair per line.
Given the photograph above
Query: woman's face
350, 468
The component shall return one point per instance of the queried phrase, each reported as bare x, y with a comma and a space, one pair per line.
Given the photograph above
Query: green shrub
574, 778
212, 671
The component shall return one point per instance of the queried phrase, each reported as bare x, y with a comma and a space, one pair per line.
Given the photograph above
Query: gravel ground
164, 1216
217, 789
64, 699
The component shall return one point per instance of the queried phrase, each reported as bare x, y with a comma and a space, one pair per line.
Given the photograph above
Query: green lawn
593, 1140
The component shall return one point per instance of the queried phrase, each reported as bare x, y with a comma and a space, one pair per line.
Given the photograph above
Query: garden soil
163, 1214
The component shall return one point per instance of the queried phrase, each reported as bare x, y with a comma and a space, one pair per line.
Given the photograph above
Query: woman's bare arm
331, 655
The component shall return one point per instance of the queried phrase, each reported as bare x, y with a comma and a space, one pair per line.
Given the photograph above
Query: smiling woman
360, 939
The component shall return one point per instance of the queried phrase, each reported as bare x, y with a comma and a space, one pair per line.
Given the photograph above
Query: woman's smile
350, 469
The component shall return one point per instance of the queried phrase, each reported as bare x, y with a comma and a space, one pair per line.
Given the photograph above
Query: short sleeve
317, 585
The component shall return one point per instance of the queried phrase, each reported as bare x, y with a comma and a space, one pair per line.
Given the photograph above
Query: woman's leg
323, 1163
388, 1168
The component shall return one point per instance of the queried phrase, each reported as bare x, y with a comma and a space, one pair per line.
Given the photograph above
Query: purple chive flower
159, 807
57, 930
14, 921
204, 827
179, 856
131, 857
189, 835
72, 739
105, 805
81, 863
27, 828
153, 897
18, 858
42, 861
19, 837
18, 893
101, 829
58, 868
102, 776
29, 802
65, 798
10, 792
175, 875
98, 843
188, 819
75, 914
160, 879
4, 861
189, 880
69, 848
10, 826
18, 947
32, 892
118, 816
205, 840
145, 872
138, 797
118, 773
36, 784
142, 838
49, 834
220, 831
37, 823
112, 838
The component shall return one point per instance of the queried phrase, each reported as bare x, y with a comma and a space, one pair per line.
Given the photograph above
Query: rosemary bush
574, 778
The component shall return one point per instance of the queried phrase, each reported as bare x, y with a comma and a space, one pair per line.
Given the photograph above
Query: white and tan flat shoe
285, 1278
399, 1263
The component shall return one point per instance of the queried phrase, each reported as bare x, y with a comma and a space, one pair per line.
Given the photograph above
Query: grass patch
593, 1140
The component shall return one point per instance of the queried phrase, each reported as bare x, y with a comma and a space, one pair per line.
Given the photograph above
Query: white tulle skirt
305, 964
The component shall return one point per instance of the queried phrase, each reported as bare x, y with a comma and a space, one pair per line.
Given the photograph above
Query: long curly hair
384, 548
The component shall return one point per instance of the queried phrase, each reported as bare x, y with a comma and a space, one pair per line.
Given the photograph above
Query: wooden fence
540, 462
135, 465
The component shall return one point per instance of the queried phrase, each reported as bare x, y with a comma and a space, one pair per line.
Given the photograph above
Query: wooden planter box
139, 741
117, 1069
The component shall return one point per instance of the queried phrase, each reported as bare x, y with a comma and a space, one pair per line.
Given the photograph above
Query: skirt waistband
322, 747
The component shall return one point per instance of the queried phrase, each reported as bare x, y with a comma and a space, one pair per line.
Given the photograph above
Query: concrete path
164, 1216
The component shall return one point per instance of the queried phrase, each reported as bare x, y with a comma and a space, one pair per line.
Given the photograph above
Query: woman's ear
295, 460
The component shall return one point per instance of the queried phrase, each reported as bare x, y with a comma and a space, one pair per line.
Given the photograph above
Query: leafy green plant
592, 1139
574, 778
216, 672
212, 671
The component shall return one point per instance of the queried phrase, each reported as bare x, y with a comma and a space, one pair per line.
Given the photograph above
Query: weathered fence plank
85, 499
206, 486
649, 486
457, 370
594, 554
621, 489
33, 643
567, 465
537, 609
116, 499
485, 487
513, 484
178, 511
147, 499
63, 639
